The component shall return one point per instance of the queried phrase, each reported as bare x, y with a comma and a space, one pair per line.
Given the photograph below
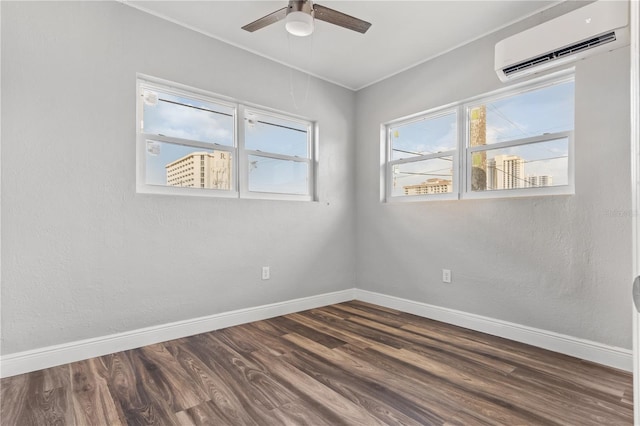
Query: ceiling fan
300, 15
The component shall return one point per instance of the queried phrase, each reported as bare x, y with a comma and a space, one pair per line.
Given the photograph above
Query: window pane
275, 135
426, 136
279, 176
178, 165
533, 113
525, 166
180, 117
434, 176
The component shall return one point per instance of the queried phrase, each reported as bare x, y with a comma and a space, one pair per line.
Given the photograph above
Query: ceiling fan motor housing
299, 21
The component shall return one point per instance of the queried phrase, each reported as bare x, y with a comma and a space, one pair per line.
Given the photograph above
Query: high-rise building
430, 186
542, 180
201, 170
505, 172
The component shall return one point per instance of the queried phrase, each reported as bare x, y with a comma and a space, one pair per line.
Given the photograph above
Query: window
521, 141
518, 142
277, 154
422, 156
179, 130
190, 143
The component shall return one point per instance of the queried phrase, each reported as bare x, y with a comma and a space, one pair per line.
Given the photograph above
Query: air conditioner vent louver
579, 47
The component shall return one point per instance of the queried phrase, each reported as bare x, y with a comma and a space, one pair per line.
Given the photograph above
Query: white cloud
189, 123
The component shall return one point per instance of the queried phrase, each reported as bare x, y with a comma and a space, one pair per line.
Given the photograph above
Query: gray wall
83, 255
559, 263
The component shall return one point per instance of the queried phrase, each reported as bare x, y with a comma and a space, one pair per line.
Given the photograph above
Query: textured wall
559, 263
83, 255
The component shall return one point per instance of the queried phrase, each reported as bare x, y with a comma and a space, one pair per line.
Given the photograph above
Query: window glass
532, 165
171, 164
279, 136
428, 135
425, 177
268, 174
187, 118
532, 113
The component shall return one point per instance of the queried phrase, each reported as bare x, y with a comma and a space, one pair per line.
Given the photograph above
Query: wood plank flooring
345, 364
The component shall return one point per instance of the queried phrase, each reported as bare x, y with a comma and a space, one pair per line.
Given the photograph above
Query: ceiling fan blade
266, 20
341, 19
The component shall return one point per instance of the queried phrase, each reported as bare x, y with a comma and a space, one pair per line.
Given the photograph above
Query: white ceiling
403, 33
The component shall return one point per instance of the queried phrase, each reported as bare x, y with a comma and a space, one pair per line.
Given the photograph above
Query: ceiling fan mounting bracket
304, 6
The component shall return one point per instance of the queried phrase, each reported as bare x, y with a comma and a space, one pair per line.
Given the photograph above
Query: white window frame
164, 86
522, 192
240, 155
569, 188
433, 114
463, 152
245, 153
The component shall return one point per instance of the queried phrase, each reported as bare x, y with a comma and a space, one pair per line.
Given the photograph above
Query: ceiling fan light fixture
299, 24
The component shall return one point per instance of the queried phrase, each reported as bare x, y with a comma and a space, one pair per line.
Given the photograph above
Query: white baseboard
580, 348
37, 359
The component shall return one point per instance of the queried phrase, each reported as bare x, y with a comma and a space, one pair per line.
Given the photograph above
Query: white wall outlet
446, 275
266, 272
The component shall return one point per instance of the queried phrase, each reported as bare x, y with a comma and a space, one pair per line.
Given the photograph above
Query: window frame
528, 191
528, 86
240, 155
463, 152
244, 154
387, 129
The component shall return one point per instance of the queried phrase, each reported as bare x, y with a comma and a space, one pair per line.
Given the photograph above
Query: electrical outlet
266, 272
446, 275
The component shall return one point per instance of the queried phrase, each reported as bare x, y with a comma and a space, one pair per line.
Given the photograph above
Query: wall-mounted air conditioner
597, 27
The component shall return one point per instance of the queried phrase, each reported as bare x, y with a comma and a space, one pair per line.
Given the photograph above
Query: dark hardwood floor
346, 364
